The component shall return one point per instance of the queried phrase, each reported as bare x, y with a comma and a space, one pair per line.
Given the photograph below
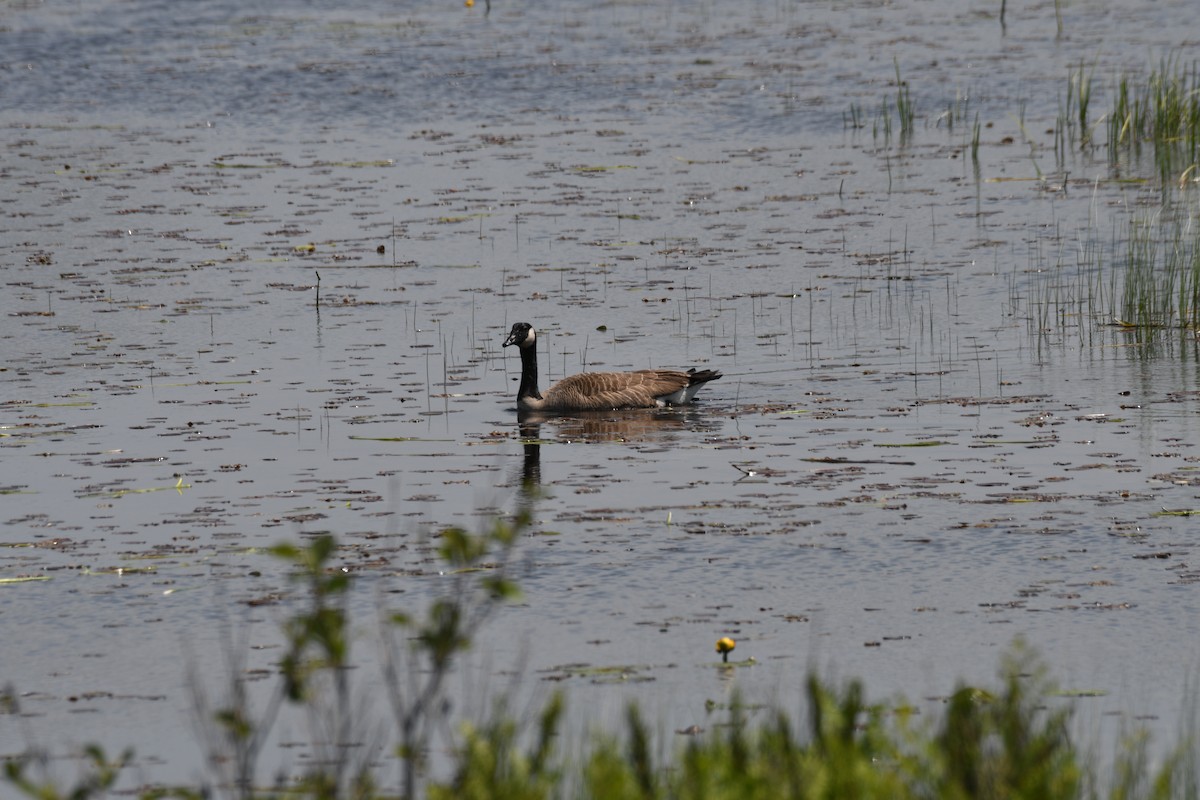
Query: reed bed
1161, 269
1162, 114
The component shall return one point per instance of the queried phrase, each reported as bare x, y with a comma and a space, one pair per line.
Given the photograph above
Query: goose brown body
601, 391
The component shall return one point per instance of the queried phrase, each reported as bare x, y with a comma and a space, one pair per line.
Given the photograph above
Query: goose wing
595, 391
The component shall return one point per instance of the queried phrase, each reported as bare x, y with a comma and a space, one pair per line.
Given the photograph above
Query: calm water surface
651, 185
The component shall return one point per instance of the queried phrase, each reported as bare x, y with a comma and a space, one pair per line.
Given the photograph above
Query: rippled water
651, 185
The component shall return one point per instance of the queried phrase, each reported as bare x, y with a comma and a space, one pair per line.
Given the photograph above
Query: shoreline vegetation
1009, 741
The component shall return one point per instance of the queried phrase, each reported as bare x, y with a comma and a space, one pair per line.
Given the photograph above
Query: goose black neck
529, 373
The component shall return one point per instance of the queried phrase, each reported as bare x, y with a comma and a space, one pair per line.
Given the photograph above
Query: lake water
259, 260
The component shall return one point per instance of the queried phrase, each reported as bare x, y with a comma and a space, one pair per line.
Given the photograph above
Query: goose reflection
663, 427
530, 432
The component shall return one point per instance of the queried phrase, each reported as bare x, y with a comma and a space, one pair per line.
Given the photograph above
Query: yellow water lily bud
724, 646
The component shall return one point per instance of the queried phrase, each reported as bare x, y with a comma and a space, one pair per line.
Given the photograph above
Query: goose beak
519, 335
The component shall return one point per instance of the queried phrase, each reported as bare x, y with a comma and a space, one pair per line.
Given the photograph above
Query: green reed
853, 119
957, 112
975, 133
1161, 113
906, 109
1161, 269
898, 112
1073, 112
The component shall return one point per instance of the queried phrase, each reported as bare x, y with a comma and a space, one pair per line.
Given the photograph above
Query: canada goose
601, 391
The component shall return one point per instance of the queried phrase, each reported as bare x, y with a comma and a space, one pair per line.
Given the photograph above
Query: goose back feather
601, 391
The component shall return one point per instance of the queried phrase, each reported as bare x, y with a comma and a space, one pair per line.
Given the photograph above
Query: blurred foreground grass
1002, 742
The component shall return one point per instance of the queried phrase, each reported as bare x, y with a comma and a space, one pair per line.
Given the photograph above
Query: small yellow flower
725, 645
469, 3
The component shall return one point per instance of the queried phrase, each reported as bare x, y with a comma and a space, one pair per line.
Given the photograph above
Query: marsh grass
1161, 270
1161, 113
975, 133
1063, 299
1129, 280
906, 109
898, 113
957, 112
853, 118
1073, 125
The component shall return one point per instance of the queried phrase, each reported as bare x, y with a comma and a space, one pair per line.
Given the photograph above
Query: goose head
522, 335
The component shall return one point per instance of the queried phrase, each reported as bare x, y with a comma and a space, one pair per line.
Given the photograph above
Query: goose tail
696, 381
